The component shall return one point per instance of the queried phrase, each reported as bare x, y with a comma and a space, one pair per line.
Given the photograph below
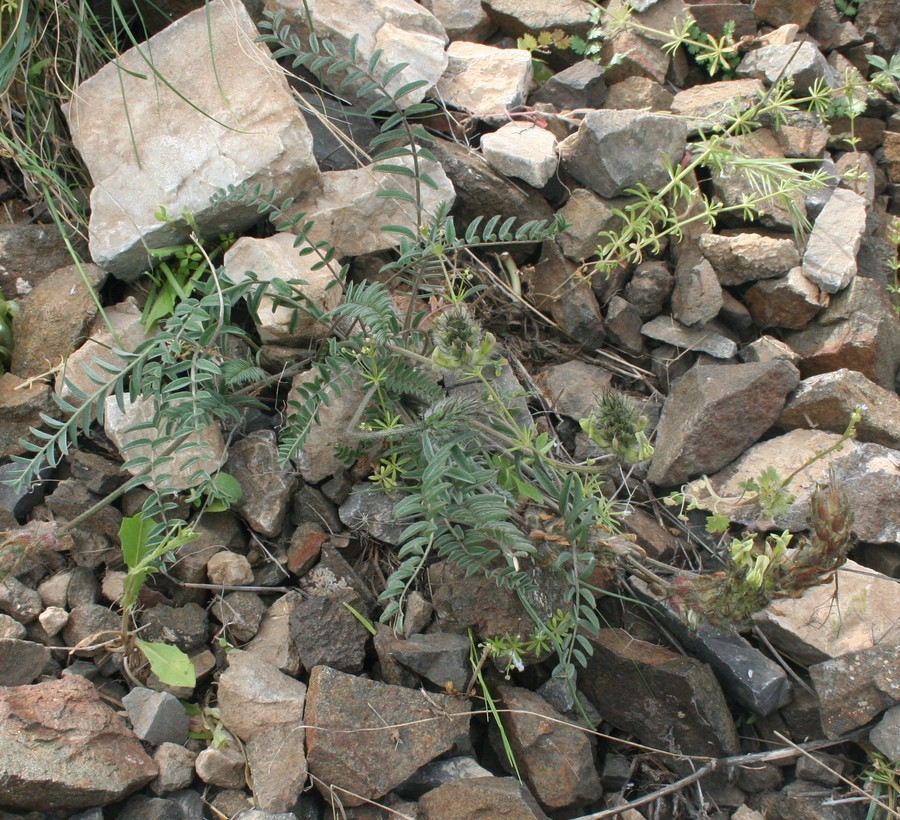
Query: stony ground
745, 348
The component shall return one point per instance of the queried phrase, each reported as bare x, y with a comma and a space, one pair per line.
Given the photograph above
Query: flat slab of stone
664, 699
61, 747
827, 621
830, 256
146, 147
701, 339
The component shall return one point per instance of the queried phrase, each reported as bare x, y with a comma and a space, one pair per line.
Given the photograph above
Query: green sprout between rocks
8, 310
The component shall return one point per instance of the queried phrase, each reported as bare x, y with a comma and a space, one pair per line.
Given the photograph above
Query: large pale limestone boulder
402, 30
198, 107
277, 258
347, 211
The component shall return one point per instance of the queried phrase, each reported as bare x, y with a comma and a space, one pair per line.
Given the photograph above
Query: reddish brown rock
714, 413
554, 758
480, 798
858, 330
826, 401
364, 737
790, 301
61, 747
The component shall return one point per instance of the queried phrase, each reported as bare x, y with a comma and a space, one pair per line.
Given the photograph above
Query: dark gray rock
616, 150
664, 699
187, 627
555, 759
707, 339
578, 86
856, 688
176, 768
21, 662
714, 413
439, 657
240, 613
480, 797
92, 624
18, 601
858, 330
326, 633
649, 288
752, 679
267, 489
157, 717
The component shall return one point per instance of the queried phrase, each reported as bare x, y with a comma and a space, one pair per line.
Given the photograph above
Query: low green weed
143, 546
8, 310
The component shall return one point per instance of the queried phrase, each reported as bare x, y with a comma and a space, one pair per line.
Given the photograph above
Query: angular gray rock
790, 301
754, 680
802, 63
855, 688
480, 797
156, 717
147, 148
462, 19
703, 339
858, 330
830, 256
516, 17
21, 662
62, 748
347, 211
326, 633
364, 737
616, 150
264, 708
714, 413
826, 401
438, 657
125, 319
697, 296
54, 318
588, 215
266, 488
868, 473
579, 86
402, 30
666, 700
